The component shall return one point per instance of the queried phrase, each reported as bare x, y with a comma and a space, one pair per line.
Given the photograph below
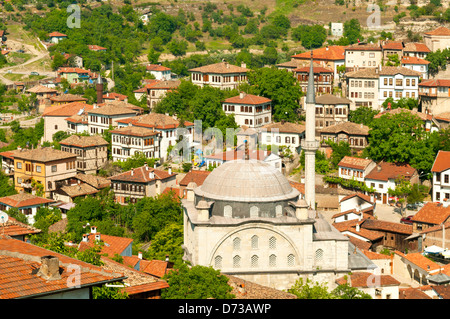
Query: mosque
247, 220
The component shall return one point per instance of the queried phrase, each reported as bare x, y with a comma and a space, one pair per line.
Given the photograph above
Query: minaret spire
309, 144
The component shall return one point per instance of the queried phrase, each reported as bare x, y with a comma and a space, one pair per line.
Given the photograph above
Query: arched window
272, 243
272, 260
255, 242
254, 261
218, 262
290, 260
237, 243
236, 261
227, 211
254, 211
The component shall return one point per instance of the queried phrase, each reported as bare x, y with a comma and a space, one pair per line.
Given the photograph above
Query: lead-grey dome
246, 181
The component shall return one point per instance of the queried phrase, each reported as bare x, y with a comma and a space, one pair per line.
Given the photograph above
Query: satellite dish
3, 217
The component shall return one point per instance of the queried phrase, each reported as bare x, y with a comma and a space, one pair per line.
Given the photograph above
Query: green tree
352, 31
105, 292
198, 282
345, 291
167, 242
340, 149
279, 86
307, 289
135, 161
177, 47
362, 115
58, 61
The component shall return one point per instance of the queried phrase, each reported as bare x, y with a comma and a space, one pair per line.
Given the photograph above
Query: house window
227, 211
446, 178
38, 168
54, 168
287, 140
438, 177
19, 164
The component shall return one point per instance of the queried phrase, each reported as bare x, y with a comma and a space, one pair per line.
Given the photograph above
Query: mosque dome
246, 181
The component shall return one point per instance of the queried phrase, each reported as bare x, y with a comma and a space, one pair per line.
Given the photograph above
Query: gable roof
45, 154
416, 47
19, 262
436, 83
328, 53
439, 31
142, 175
41, 89
362, 280
412, 293
355, 162
156, 267
156, 67
330, 99
113, 244
413, 60
432, 213
134, 131
67, 98
385, 171
95, 47
381, 225
399, 110
285, 127
316, 69
360, 195
113, 108
15, 228
67, 110
84, 141
347, 127
249, 99
392, 45
220, 68
363, 47
154, 120
114, 96
420, 261
198, 177
72, 70
24, 200
56, 34
441, 162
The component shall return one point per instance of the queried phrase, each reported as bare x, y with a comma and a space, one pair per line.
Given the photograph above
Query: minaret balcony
310, 145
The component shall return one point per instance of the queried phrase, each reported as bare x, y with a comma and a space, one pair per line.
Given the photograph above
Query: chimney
167, 258
151, 175
357, 227
85, 237
50, 268
170, 170
378, 168
242, 95
97, 237
132, 172
146, 166
140, 255
243, 65
227, 65
93, 229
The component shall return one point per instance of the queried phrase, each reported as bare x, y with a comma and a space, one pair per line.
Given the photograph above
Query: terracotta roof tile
442, 291
113, 244
412, 293
393, 70
316, 70
57, 34
363, 280
392, 45
19, 262
114, 96
285, 127
141, 175
220, 68
360, 195
439, 31
24, 200
249, 99
330, 99
432, 213
45, 154
413, 60
420, 261
436, 83
41, 89
363, 47
355, 162
416, 47
134, 131
95, 47
67, 98
156, 120
198, 177
66, 110
347, 127
15, 228
84, 141
244, 289
422, 116
381, 225
385, 171
157, 268
332, 53
441, 162
157, 67
112, 108
375, 256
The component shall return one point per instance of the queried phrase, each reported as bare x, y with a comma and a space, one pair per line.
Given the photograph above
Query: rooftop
441, 31
15, 228
385, 171
142, 175
41, 89
154, 120
347, 127
441, 162
285, 127
355, 162
156, 67
198, 177
67, 110
249, 99
115, 108
362, 280
329, 53
330, 99
134, 131
432, 213
220, 68
413, 60
24, 200
45, 154
84, 141
416, 47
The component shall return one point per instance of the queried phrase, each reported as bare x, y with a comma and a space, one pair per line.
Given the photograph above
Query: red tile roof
441, 162
413, 60
157, 67
360, 195
72, 70
416, 47
248, 99
156, 268
198, 177
329, 53
113, 244
94, 47
155, 120
24, 200
385, 171
142, 175
392, 45
220, 68
412, 293
316, 70
20, 261
57, 34
114, 96
66, 110
15, 228
436, 83
354, 162
381, 225
363, 47
432, 213
365, 279
420, 260
439, 31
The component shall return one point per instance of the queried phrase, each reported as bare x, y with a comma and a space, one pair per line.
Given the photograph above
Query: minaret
99, 88
310, 145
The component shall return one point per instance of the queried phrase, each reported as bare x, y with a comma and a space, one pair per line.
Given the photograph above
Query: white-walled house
223, 75
441, 177
355, 167
397, 83
358, 202
249, 110
159, 72
384, 176
26, 203
283, 134
416, 64
164, 124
